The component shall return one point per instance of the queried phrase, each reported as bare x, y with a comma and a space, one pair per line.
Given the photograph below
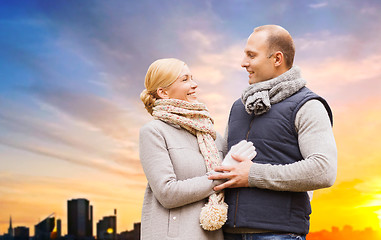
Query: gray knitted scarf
259, 97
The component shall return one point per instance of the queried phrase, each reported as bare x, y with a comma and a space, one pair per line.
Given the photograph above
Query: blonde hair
161, 73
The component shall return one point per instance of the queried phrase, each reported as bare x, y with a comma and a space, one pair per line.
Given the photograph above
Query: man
290, 127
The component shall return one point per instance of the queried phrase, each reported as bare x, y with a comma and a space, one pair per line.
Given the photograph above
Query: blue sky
71, 73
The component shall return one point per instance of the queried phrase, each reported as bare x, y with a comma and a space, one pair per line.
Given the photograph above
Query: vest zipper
236, 208
247, 134
236, 203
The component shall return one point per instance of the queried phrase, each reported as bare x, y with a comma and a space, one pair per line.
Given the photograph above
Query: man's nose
244, 62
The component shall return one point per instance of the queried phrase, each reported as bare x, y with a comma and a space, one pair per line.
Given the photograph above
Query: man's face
259, 63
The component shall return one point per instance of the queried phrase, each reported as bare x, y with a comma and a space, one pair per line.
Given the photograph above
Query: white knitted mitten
243, 149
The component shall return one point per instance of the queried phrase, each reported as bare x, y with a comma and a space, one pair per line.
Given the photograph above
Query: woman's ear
162, 93
278, 58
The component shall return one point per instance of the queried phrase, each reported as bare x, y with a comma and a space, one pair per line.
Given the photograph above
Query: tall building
10, 229
44, 229
106, 228
9, 234
79, 218
21, 233
59, 228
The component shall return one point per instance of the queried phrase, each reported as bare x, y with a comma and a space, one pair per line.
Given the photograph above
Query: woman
177, 149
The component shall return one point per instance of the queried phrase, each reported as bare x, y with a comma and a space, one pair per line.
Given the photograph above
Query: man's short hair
279, 39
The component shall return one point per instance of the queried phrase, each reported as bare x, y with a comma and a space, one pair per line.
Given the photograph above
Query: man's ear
162, 93
278, 58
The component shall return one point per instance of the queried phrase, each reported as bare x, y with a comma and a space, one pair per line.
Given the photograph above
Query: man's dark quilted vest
276, 142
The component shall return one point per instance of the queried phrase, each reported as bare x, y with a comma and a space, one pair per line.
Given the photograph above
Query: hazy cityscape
79, 226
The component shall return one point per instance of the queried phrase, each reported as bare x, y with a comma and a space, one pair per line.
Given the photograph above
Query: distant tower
79, 218
10, 229
59, 231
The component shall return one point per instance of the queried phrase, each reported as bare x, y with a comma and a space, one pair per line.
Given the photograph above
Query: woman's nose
193, 84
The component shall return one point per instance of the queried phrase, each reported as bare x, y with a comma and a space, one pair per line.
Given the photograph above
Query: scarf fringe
214, 214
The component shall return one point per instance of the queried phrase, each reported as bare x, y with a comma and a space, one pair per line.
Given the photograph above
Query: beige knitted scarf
195, 118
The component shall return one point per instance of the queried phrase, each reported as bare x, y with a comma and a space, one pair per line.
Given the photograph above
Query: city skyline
72, 206
335, 233
71, 74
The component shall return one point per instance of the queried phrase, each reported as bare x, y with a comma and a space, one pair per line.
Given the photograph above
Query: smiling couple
256, 182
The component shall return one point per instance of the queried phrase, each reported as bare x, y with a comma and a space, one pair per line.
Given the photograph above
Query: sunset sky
71, 73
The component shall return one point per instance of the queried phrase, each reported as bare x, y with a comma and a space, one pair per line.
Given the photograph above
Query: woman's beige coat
177, 183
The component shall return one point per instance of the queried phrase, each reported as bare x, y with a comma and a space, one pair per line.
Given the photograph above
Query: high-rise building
44, 229
9, 234
10, 229
106, 228
59, 228
21, 233
79, 218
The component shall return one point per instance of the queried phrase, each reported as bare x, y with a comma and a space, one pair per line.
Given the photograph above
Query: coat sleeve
317, 145
159, 171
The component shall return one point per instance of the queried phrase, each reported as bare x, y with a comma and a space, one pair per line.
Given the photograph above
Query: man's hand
237, 175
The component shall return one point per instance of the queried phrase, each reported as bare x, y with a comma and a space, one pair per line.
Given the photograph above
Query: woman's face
184, 88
